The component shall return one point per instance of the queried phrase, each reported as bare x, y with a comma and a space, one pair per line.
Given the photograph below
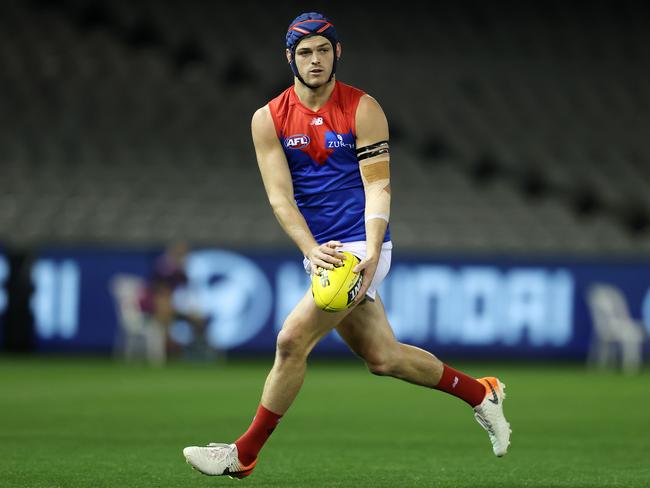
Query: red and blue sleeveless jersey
320, 147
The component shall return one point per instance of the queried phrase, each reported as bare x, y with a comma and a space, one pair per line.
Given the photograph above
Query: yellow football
335, 289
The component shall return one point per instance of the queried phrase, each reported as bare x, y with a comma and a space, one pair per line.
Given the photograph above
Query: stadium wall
460, 306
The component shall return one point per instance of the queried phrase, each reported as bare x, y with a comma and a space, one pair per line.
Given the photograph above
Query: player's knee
381, 364
290, 345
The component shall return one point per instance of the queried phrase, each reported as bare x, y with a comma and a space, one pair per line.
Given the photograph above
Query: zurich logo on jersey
296, 141
334, 140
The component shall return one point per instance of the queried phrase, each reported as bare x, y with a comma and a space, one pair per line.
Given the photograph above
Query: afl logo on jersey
297, 141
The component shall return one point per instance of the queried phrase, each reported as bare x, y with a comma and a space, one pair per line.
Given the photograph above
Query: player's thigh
367, 331
307, 324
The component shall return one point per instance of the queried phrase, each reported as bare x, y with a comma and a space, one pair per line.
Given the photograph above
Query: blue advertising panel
492, 308
4, 298
72, 304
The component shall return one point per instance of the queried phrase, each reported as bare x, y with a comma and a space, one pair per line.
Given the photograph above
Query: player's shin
251, 442
461, 385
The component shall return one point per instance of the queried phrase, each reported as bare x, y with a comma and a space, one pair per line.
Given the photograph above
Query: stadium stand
517, 127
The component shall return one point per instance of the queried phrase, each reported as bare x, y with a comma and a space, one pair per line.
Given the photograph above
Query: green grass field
94, 423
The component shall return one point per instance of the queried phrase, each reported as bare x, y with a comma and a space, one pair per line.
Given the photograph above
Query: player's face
315, 60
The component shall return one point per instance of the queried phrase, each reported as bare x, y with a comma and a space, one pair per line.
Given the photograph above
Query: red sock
460, 385
250, 444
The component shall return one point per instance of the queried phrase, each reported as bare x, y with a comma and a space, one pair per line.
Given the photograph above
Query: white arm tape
377, 216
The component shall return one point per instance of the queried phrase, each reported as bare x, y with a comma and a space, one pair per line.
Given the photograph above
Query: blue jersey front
321, 152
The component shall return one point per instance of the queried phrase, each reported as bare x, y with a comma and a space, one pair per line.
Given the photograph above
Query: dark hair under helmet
308, 25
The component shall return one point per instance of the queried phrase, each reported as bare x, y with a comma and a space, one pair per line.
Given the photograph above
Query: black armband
372, 150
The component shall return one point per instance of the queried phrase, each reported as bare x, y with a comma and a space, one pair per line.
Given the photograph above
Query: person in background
158, 298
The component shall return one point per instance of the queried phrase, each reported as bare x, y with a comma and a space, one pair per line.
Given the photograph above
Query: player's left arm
374, 166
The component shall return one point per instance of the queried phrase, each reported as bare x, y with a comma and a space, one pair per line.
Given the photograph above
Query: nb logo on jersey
296, 141
316, 121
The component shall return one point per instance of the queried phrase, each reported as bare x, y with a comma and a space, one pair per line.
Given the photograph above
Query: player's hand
325, 256
367, 267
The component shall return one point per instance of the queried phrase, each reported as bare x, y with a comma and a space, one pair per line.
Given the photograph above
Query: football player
324, 155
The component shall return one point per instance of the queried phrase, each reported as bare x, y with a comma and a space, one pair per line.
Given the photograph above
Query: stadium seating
516, 128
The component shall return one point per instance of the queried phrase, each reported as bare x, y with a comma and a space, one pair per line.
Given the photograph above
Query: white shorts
358, 248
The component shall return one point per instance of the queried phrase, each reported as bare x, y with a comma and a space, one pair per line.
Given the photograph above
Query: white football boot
217, 460
489, 413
